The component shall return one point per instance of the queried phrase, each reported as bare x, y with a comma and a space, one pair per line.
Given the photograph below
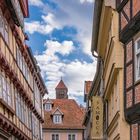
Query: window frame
57, 118
4, 28
55, 134
48, 106
137, 52
71, 136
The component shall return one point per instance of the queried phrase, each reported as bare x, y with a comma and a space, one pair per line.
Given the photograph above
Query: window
71, 137
4, 27
35, 127
37, 97
48, 106
57, 118
18, 10
1, 23
9, 98
137, 57
22, 110
55, 136
6, 31
0, 86
5, 90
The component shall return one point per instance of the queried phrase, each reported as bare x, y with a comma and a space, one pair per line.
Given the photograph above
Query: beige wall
63, 134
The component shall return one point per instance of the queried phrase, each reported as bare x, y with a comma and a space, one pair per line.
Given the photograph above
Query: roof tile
72, 115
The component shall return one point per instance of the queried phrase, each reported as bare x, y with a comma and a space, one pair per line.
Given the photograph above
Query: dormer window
57, 119
48, 106
57, 116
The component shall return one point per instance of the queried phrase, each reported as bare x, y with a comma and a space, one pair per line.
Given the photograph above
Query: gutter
96, 77
95, 32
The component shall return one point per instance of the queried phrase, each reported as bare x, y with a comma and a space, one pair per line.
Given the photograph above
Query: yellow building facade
108, 82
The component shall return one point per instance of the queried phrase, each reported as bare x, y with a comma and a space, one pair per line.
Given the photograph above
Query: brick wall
129, 99
137, 94
129, 52
126, 9
123, 21
134, 131
129, 77
136, 6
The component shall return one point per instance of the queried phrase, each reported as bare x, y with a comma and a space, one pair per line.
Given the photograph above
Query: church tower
61, 90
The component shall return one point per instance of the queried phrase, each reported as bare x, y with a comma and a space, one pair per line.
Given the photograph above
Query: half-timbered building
21, 85
129, 34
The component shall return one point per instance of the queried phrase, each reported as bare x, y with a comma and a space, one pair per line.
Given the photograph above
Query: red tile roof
87, 86
61, 85
72, 115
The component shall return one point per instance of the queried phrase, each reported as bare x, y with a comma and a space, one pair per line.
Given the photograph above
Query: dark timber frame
129, 27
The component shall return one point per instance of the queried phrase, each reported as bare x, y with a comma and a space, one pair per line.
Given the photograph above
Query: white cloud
68, 13
72, 13
64, 48
46, 26
74, 73
82, 1
36, 2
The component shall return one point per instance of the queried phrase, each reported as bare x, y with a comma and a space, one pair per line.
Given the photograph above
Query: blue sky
60, 37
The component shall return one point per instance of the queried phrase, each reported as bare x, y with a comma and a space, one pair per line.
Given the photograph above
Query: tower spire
61, 90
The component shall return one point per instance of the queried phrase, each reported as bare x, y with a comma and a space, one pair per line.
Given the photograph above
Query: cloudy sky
60, 37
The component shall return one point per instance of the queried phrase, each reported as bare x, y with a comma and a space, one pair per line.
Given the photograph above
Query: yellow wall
111, 51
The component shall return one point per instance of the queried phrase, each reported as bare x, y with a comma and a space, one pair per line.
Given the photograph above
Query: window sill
7, 106
137, 81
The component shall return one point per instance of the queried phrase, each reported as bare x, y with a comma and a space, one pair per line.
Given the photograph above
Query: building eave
96, 24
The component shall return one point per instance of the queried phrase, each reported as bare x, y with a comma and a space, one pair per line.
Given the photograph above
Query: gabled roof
57, 109
72, 115
47, 101
61, 85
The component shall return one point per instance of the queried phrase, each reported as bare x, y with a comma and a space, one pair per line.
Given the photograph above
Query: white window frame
48, 106
57, 118
137, 52
71, 134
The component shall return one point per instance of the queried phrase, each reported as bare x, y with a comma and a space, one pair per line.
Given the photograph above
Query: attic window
57, 119
48, 106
